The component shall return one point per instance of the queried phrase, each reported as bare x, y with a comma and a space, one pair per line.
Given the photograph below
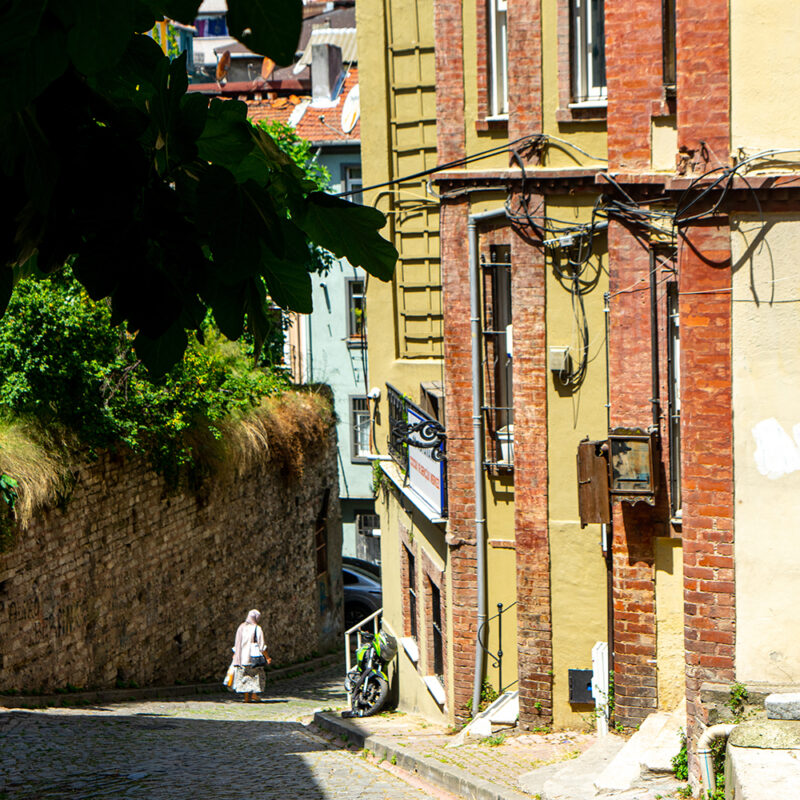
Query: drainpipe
608, 530
706, 757
477, 443
655, 400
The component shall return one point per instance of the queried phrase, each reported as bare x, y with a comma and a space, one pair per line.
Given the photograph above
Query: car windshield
361, 574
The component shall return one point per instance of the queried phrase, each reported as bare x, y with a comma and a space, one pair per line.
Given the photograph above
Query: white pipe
705, 755
477, 445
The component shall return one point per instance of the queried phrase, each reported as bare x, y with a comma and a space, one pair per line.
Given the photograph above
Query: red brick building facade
606, 161
664, 117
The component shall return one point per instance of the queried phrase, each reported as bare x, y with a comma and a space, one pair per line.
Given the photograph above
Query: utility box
593, 502
580, 686
634, 458
558, 359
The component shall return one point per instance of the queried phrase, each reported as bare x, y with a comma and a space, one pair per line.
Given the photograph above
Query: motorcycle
367, 682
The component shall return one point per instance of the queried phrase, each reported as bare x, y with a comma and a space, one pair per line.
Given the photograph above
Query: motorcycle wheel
371, 696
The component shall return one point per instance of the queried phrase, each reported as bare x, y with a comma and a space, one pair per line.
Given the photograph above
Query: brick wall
460, 480
707, 461
634, 79
525, 68
534, 620
635, 526
449, 80
703, 43
128, 581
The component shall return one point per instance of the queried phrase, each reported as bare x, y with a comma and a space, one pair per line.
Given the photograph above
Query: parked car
362, 564
362, 590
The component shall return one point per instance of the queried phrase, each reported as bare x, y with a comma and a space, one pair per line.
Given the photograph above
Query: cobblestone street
211, 747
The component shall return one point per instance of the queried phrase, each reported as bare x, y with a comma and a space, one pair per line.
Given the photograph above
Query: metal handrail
373, 617
497, 660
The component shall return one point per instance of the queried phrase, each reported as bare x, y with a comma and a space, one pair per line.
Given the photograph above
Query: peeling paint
776, 453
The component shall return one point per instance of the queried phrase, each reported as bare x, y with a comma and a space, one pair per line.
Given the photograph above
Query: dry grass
40, 464
282, 430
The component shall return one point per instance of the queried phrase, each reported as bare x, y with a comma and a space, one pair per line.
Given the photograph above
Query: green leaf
194, 110
6, 287
25, 144
26, 72
349, 231
268, 27
21, 20
258, 321
133, 80
100, 35
228, 306
227, 226
181, 10
288, 283
226, 138
161, 354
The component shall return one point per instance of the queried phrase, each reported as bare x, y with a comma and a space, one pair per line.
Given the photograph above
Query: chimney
326, 70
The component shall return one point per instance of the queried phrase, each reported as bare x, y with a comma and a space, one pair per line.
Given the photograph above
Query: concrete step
504, 710
574, 779
656, 760
624, 771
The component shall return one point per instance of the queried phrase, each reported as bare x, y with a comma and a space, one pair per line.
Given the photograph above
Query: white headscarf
252, 619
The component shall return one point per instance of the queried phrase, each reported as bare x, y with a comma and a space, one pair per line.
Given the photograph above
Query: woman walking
249, 658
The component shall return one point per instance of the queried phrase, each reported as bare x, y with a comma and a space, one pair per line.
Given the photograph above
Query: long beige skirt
247, 680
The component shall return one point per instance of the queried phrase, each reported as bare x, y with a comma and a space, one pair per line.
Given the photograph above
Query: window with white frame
588, 51
355, 309
498, 58
359, 428
351, 178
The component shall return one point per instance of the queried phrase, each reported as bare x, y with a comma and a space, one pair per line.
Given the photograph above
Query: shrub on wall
70, 378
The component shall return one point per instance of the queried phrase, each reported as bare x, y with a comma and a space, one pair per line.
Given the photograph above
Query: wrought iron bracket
425, 435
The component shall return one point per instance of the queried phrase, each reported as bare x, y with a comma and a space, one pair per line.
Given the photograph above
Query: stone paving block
783, 706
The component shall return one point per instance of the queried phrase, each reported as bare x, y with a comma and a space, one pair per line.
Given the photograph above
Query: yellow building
507, 551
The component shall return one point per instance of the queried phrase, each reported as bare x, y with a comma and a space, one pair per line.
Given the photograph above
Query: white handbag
256, 656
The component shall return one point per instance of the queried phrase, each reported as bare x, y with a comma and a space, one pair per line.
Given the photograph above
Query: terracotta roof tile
316, 124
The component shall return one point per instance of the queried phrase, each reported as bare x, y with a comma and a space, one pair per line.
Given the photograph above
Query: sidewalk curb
152, 692
451, 779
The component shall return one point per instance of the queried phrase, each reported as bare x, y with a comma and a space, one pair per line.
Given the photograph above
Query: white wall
766, 424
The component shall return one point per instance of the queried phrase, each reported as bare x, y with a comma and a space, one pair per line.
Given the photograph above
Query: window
674, 377
498, 343
349, 578
436, 631
359, 428
351, 179
431, 399
498, 58
412, 594
670, 74
367, 523
588, 51
356, 310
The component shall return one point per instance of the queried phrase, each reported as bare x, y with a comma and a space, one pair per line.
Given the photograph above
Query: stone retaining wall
129, 582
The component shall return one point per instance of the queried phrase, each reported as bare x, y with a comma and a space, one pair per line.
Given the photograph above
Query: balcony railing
412, 427
398, 449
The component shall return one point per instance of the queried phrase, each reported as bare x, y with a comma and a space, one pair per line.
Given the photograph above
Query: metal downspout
477, 445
